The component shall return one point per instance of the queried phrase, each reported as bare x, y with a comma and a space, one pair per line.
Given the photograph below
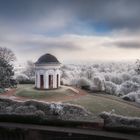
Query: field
95, 103
98, 104
27, 91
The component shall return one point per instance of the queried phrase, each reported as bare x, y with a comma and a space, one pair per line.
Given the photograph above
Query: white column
35, 79
54, 80
38, 80
44, 75
46, 80
57, 73
59, 79
53, 74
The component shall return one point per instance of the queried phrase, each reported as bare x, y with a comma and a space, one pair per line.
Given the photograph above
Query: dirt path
9, 92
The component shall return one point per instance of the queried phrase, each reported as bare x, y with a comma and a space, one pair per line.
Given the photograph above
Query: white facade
47, 76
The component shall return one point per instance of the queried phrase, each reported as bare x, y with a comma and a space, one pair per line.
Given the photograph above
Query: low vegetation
120, 123
6, 68
42, 110
92, 102
119, 79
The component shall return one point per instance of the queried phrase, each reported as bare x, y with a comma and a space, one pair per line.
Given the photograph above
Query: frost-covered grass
95, 104
29, 92
98, 104
117, 79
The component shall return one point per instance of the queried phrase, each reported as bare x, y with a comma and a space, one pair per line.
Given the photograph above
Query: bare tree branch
7, 54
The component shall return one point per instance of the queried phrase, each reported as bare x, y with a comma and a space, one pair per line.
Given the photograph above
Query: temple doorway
50, 81
41, 81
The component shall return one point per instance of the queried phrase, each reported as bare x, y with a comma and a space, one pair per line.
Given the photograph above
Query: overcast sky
72, 30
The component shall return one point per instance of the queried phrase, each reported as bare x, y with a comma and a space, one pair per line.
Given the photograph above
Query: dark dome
47, 58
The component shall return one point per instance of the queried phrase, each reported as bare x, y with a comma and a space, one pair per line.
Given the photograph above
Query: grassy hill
93, 103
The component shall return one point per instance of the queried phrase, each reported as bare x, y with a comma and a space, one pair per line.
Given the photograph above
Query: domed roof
47, 58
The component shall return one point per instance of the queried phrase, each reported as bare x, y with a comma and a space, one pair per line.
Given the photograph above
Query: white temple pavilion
47, 72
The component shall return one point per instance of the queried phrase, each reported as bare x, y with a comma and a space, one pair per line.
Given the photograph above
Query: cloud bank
75, 30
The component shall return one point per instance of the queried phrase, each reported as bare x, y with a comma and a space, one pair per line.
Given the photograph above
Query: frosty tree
6, 68
6, 72
30, 70
7, 54
137, 69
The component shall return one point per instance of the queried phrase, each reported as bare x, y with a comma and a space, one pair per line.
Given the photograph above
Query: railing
19, 131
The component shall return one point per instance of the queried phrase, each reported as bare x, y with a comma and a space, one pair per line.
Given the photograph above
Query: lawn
28, 91
95, 104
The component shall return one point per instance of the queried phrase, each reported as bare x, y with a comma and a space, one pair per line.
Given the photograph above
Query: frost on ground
43, 110
117, 79
120, 122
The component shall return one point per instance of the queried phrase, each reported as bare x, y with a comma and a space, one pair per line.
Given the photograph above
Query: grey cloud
62, 46
30, 43
113, 13
32, 47
125, 44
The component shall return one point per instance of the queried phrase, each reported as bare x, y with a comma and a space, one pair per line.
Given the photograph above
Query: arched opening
57, 80
41, 81
36, 80
50, 81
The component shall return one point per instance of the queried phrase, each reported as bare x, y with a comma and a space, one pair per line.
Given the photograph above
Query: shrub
128, 87
2, 90
49, 111
136, 79
26, 82
116, 79
125, 76
110, 88
25, 109
119, 122
98, 83
84, 83
132, 96
21, 77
